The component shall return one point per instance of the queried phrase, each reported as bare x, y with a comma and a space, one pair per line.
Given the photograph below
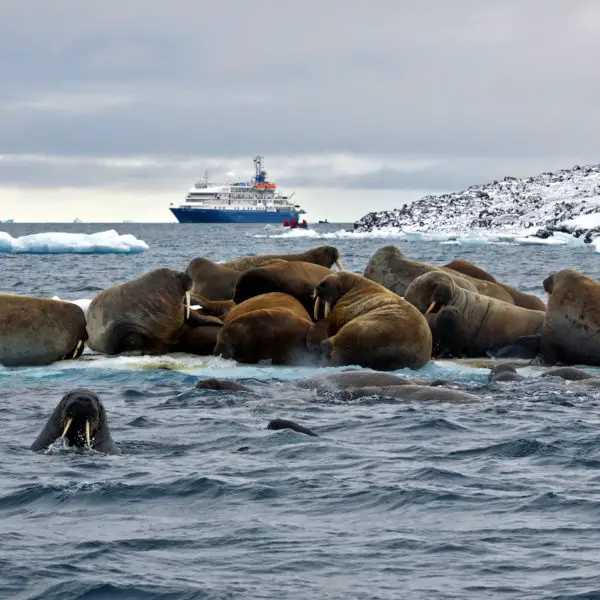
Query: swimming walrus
326, 256
520, 298
367, 325
341, 380
468, 323
392, 269
39, 331
571, 331
421, 393
145, 315
504, 372
298, 279
569, 374
277, 424
80, 419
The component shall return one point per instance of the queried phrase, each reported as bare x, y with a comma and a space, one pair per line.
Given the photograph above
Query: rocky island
566, 201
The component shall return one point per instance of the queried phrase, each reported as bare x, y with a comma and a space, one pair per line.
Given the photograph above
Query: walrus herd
294, 309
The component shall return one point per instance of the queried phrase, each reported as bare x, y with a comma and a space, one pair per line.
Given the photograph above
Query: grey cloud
465, 79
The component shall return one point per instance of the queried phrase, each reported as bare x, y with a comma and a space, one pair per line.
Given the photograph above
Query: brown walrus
298, 279
39, 331
211, 280
367, 325
145, 315
520, 298
571, 331
468, 323
392, 269
268, 301
326, 256
266, 334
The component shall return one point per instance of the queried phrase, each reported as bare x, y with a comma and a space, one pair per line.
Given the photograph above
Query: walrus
268, 301
392, 269
520, 298
326, 256
351, 378
80, 419
526, 346
367, 325
503, 372
571, 331
569, 373
275, 334
298, 279
468, 323
421, 393
211, 280
145, 315
213, 383
277, 424
39, 331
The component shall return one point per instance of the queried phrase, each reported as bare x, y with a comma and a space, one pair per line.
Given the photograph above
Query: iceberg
102, 242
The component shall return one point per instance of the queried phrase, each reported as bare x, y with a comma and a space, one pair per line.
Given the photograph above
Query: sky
111, 110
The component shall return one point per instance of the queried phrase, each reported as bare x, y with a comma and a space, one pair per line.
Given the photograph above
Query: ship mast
260, 175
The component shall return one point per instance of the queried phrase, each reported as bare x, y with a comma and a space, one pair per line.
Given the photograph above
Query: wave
56, 242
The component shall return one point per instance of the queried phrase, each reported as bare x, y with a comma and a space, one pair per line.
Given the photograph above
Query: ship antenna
260, 175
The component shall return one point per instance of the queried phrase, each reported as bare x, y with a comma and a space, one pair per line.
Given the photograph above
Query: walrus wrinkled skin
211, 280
571, 331
272, 300
421, 393
277, 424
145, 315
266, 334
364, 324
326, 256
520, 298
468, 323
39, 331
79, 418
392, 269
298, 279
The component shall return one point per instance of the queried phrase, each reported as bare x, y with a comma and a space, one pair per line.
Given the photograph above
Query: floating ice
102, 242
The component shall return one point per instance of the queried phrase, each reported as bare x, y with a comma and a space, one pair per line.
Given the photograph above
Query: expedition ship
254, 201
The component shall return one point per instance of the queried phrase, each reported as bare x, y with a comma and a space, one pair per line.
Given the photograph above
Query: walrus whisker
317, 306
87, 434
338, 264
187, 304
66, 428
431, 307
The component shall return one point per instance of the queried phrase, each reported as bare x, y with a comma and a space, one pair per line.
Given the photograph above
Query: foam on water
102, 242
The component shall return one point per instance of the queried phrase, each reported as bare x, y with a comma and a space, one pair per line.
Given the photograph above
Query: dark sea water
499, 499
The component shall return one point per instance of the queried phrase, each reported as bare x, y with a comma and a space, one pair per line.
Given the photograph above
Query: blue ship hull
211, 215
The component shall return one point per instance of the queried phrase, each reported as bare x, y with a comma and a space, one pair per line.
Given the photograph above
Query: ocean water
498, 499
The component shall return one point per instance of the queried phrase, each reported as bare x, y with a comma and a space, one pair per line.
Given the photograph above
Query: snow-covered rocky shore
563, 202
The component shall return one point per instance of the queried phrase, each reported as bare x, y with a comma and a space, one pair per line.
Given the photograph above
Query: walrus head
430, 292
330, 256
332, 288
80, 417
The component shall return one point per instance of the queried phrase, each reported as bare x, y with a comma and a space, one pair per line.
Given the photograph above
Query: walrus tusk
187, 304
317, 306
431, 307
338, 264
314, 294
66, 428
327, 308
87, 434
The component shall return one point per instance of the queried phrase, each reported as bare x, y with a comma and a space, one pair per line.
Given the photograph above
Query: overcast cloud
396, 95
